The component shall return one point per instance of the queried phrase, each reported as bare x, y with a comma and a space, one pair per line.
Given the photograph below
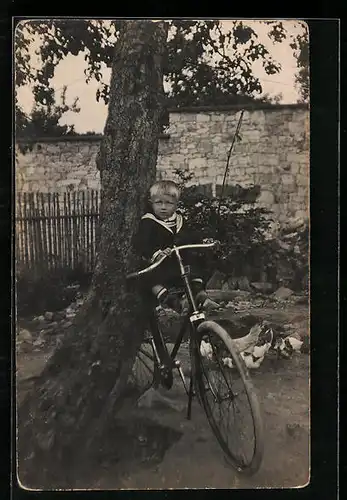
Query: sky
93, 114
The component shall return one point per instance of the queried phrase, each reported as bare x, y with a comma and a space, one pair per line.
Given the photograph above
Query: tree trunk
78, 389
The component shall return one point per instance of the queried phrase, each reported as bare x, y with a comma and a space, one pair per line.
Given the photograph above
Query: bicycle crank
166, 376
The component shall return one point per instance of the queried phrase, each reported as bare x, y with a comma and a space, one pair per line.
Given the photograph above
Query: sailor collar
179, 221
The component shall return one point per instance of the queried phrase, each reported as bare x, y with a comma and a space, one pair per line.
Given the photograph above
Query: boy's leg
161, 279
160, 292
198, 289
201, 296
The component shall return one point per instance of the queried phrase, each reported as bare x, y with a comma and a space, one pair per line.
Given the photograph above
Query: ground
158, 448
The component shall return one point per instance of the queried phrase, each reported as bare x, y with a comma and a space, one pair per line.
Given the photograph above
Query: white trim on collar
179, 221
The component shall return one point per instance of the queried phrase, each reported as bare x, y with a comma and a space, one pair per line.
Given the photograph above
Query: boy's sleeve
142, 241
191, 236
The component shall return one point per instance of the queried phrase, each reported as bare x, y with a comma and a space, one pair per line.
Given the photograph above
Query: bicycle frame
199, 377
194, 317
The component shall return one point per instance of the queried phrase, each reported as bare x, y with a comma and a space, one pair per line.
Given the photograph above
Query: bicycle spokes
225, 394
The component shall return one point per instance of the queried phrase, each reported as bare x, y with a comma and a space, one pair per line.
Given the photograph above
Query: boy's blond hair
169, 188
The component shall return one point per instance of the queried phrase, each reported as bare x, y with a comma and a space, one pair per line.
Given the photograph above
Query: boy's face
164, 205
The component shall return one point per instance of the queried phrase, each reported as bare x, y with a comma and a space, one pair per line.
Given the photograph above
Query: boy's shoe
161, 293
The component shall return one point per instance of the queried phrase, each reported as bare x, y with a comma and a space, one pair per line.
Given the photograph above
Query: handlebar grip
159, 261
147, 269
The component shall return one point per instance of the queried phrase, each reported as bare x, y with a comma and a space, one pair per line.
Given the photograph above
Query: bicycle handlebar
172, 250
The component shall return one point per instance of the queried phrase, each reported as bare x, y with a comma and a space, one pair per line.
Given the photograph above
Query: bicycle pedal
166, 377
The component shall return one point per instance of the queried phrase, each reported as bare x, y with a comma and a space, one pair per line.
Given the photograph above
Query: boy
161, 228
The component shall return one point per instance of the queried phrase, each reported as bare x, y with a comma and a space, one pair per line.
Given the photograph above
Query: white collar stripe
178, 222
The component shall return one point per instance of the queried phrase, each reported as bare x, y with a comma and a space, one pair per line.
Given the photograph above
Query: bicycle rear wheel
227, 395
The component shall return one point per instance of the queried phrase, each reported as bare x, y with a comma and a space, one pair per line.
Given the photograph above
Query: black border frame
324, 120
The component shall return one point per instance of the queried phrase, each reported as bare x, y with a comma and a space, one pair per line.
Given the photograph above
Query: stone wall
273, 154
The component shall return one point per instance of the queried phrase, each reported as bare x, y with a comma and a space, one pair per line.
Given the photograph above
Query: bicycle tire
205, 386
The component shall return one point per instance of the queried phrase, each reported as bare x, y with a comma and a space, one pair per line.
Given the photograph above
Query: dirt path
158, 448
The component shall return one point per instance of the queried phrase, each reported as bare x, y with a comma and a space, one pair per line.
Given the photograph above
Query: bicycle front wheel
228, 397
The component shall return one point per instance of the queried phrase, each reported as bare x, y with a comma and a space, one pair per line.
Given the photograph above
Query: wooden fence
57, 230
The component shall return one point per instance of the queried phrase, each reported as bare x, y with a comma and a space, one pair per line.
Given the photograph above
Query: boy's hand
160, 254
211, 240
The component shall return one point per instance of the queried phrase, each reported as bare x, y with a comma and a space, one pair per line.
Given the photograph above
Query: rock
301, 299
66, 324
295, 335
46, 326
210, 305
70, 314
262, 286
282, 293
232, 283
216, 280
243, 283
284, 246
295, 224
24, 335
46, 331
39, 342
241, 294
242, 305
59, 315
226, 295
41, 319
49, 327
48, 316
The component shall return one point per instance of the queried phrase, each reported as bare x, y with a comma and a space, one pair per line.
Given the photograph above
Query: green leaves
242, 34
300, 47
44, 118
205, 63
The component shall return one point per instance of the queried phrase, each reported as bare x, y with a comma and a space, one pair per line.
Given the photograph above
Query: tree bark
79, 388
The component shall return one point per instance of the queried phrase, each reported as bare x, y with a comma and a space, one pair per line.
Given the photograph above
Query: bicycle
214, 362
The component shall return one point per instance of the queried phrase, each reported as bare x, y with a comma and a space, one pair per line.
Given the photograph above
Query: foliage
249, 246
204, 64
290, 252
300, 45
237, 223
301, 52
42, 291
44, 118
